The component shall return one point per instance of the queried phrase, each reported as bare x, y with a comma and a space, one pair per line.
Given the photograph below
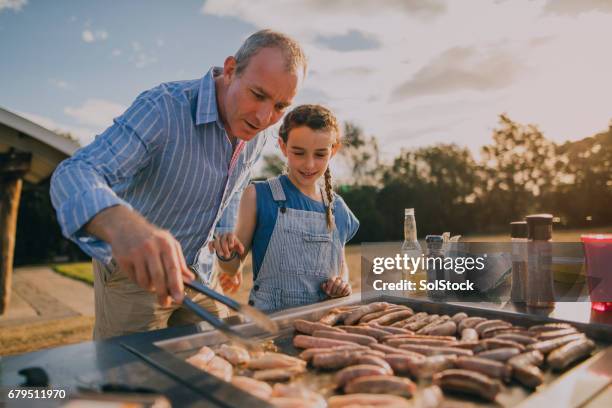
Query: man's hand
336, 287
151, 257
230, 284
225, 244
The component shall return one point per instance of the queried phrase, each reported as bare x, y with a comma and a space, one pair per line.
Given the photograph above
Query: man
145, 197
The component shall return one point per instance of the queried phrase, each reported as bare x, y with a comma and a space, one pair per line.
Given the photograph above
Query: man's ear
283, 146
229, 69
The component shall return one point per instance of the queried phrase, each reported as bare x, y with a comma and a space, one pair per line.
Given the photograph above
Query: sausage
332, 317
470, 322
201, 358
424, 369
410, 340
468, 382
341, 359
306, 342
419, 324
528, 375
549, 345
349, 373
381, 384
565, 355
304, 326
491, 368
403, 363
433, 323
469, 334
220, 367
354, 316
495, 343
432, 350
549, 335
367, 400
518, 338
274, 360
373, 316
447, 328
495, 331
392, 317
468, 345
392, 350
378, 334
413, 318
430, 397
500, 354
533, 357
259, 389
354, 338
390, 330
308, 354
279, 374
419, 336
458, 317
304, 397
234, 354
489, 324
549, 327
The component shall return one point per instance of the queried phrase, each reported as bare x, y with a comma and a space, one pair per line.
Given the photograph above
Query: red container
598, 258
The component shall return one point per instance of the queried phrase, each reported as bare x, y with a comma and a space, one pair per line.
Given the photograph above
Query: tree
361, 154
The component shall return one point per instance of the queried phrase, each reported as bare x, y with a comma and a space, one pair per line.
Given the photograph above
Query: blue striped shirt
169, 158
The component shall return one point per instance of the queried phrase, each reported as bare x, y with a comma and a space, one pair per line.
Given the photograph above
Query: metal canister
518, 236
540, 284
434, 263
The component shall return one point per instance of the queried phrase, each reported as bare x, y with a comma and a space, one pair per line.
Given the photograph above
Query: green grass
82, 271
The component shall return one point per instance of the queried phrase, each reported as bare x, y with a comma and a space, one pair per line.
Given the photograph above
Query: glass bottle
540, 289
434, 262
518, 237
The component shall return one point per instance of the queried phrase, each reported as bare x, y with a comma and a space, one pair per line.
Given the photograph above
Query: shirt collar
207, 111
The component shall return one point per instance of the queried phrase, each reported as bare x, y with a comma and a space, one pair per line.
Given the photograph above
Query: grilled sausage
417, 316
528, 375
381, 384
549, 335
392, 350
500, 354
533, 357
430, 397
495, 331
468, 382
378, 334
201, 358
392, 317
447, 328
308, 354
549, 345
549, 327
458, 317
403, 363
373, 316
279, 374
419, 336
468, 345
470, 322
337, 360
354, 316
432, 351
469, 334
565, 355
220, 367
332, 317
349, 373
518, 338
424, 369
306, 342
419, 324
354, 338
308, 398
259, 389
274, 360
390, 329
490, 324
433, 323
367, 400
411, 340
304, 326
495, 343
491, 368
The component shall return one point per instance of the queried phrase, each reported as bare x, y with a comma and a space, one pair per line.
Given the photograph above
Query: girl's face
308, 152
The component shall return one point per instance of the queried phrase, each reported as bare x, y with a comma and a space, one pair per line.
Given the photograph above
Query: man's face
258, 97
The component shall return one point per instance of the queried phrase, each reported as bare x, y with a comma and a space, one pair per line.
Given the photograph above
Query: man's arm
93, 216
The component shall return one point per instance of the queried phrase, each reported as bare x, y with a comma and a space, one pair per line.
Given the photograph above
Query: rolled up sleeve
82, 185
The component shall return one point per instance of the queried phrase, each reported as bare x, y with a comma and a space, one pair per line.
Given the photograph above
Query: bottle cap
409, 211
539, 227
518, 229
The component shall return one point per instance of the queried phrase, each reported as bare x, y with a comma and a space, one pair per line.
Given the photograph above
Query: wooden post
12, 168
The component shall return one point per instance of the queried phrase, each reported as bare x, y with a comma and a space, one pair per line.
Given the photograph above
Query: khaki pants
122, 307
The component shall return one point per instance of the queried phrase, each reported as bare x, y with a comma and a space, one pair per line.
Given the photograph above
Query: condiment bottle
518, 236
540, 289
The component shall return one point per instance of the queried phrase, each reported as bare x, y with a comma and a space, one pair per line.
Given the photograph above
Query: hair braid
329, 215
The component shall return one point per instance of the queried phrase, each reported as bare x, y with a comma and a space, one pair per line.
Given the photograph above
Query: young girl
295, 227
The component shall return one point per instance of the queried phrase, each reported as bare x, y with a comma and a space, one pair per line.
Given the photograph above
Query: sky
411, 72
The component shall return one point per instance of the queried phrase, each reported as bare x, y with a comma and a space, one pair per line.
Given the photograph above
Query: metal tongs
259, 318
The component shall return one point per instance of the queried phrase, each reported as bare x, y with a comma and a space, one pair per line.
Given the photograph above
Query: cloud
15, 5
460, 68
61, 84
90, 36
140, 57
353, 40
576, 7
84, 135
116, 52
95, 112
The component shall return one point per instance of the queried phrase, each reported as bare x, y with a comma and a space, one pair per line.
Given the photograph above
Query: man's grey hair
291, 49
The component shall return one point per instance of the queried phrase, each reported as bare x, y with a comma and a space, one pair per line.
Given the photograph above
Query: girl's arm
241, 239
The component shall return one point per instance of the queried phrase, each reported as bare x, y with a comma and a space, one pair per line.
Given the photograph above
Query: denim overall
301, 255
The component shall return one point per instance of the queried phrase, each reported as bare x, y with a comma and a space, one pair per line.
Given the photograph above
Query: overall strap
278, 194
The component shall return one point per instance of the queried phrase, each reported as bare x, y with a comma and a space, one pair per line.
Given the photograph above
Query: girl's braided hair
315, 117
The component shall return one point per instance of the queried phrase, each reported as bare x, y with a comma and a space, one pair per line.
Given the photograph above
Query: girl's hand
225, 244
230, 284
336, 287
